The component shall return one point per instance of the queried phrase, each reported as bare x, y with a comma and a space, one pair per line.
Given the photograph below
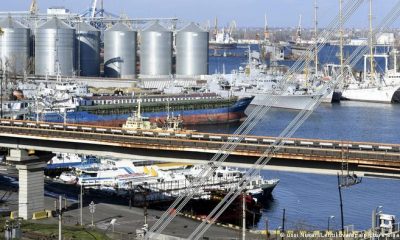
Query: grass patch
38, 231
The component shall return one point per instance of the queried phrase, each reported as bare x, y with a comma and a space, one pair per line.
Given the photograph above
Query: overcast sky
250, 13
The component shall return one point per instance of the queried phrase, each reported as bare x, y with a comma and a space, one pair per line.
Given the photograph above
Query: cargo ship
196, 108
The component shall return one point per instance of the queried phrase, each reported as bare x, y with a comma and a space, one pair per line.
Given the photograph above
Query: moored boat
198, 108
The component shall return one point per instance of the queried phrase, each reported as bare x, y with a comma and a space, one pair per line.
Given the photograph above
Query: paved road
128, 220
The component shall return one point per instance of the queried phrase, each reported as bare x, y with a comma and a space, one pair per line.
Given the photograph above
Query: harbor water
310, 199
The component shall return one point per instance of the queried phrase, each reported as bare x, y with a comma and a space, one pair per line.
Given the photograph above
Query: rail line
360, 153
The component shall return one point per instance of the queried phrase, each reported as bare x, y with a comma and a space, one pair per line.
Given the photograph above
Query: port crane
33, 9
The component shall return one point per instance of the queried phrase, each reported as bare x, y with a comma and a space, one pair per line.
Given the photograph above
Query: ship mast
341, 36
298, 32
316, 35
138, 107
371, 39
266, 29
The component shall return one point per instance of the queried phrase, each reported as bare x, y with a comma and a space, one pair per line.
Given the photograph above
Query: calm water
309, 199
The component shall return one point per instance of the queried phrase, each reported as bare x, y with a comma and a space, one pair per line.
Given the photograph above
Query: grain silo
120, 51
54, 48
14, 46
88, 50
192, 51
155, 51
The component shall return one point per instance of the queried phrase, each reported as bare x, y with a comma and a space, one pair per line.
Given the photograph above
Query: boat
223, 39
375, 87
165, 181
261, 83
138, 122
196, 108
233, 214
69, 160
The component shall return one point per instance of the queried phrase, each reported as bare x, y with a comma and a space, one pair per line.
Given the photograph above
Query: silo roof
192, 27
119, 27
55, 23
9, 22
155, 27
85, 27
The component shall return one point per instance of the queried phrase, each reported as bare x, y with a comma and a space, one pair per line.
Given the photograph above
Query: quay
123, 143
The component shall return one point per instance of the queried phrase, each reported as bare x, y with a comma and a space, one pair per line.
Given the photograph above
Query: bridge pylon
31, 182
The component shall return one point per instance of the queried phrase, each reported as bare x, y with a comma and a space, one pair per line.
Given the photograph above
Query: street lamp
329, 221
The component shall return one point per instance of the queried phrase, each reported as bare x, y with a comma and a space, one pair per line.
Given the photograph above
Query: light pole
329, 221
60, 218
81, 204
341, 206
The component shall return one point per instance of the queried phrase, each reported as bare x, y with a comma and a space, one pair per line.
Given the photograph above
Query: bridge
371, 158
123, 143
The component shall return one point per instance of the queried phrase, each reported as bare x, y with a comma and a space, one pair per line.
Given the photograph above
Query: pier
123, 143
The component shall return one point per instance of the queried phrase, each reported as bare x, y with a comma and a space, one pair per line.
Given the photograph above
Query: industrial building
59, 42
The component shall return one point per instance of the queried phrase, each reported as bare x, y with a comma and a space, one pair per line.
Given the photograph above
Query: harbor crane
33, 9
93, 9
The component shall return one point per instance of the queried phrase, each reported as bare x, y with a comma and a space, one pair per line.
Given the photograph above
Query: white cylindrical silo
55, 48
14, 46
120, 51
155, 51
191, 51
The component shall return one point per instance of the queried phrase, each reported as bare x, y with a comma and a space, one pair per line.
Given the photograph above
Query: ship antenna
371, 39
341, 36
316, 35
139, 102
167, 108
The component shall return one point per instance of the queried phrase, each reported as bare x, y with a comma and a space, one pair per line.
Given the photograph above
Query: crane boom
93, 9
33, 9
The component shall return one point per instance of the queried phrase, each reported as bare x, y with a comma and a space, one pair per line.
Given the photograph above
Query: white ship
262, 83
165, 180
375, 87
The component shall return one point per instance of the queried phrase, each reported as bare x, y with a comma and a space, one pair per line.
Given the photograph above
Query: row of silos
156, 44
61, 48
56, 46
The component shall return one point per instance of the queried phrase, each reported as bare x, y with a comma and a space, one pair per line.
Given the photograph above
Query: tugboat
138, 122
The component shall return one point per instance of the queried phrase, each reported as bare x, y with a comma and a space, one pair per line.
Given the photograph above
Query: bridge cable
251, 123
290, 130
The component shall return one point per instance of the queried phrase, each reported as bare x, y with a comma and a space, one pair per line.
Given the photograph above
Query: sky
247, 13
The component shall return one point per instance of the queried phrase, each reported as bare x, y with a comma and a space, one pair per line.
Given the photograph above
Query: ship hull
389, 94
232, 215
295, 102
232, 113
213, 45
333, 97
266, 193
